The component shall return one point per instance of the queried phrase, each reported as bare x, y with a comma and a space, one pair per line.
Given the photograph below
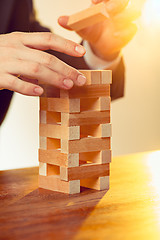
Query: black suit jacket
18, 15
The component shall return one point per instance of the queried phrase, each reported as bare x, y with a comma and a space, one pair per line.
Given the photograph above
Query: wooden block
87, 17
84, 171
95, 104
43, 142
83, 118
85, 145
50, 91
53, 143
60, 132
92, 76
90, 130
43, 118
101, 183
104, 103
106, 130
53, 170
102, 130
106, 77
90, 91
96, 157
55, 157
106, 156
91, 104
42, 169
96, 77
53, 117
43, 104
55, 184
63, 105
90, 157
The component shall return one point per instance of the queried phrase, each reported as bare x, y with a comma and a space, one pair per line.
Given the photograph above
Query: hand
21, 55
107, 38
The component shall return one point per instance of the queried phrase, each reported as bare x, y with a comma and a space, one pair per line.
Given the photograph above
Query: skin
21, 56
23, 64
109, 37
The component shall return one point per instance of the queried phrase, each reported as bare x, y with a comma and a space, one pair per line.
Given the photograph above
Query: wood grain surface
129, 210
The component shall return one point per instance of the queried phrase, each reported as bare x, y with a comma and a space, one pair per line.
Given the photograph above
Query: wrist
96, 62
105, 57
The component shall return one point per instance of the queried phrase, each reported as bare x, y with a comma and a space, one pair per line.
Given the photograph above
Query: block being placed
95, 14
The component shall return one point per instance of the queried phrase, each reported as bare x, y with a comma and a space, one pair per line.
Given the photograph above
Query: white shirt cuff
95, 62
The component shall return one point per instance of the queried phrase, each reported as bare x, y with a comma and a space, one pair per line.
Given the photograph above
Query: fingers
129, 14
63, 20
19, 56
113, 6
44, 74
46, 40
42, 65
126, 17
122, 37
49, 61
17, 85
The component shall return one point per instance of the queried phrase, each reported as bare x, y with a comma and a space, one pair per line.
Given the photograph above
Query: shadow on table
44, 214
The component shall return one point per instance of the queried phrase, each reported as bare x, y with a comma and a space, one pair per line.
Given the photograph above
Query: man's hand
107, 38
23, 63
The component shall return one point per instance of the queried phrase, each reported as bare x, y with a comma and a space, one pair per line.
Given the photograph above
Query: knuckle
13, 39
11, 83
48, 60
71, 73
67, 45
48, 37
15, 35
35, 68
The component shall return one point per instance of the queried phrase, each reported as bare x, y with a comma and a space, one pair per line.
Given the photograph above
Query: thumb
63, 21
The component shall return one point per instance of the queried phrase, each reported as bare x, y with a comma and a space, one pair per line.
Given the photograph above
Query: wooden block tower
75, 135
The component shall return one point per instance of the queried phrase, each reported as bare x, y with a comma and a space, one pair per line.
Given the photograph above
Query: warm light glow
151, 13
154, 168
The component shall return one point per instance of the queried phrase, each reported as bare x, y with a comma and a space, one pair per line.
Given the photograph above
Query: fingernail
80, 49
81, 80
38, 90
68, 83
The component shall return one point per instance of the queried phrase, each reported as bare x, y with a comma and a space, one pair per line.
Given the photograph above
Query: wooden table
129, 210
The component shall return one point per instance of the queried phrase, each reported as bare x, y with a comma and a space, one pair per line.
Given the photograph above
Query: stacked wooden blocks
75, 135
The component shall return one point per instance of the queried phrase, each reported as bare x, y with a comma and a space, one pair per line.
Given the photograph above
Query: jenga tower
75, 135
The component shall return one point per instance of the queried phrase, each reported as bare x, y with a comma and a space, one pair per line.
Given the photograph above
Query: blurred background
135, 118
